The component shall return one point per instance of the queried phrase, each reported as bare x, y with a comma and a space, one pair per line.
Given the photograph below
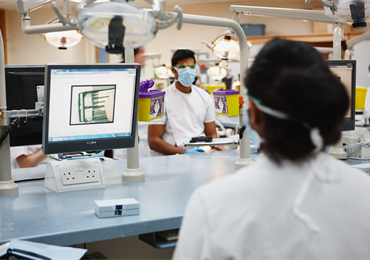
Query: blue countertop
42, 215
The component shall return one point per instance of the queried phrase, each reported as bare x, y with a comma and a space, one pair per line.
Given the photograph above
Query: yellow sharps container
226, 102
151, 103
360, 98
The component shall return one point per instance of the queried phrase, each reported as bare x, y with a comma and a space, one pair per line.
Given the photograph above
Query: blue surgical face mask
253, 135
186, 76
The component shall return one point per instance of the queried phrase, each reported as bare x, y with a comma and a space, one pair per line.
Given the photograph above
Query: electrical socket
79, 173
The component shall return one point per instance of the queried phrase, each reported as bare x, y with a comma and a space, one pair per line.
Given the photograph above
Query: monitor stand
133, 173
338, 151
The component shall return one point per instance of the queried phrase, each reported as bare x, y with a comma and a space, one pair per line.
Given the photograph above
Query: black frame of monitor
348, 124
21, 96
89, 144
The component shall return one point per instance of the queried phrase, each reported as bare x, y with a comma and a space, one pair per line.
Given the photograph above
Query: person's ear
255, 117
174, 71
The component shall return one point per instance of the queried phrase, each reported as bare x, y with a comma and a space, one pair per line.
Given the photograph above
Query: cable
8, 129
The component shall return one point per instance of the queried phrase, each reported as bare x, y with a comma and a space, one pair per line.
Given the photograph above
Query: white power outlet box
76, 174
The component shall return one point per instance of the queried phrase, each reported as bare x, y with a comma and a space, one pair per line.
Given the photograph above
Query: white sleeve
16, 151
211, 112
193, 242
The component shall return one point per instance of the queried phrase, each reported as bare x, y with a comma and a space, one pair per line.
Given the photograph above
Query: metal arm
64, 20
352, 42
244, 154
7, 185
169, 22
290, 13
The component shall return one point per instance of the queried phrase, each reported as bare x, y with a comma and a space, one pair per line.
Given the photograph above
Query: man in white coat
189, 110
295, 202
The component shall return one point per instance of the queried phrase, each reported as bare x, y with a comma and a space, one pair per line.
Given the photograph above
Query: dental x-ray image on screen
92, 104
90, 107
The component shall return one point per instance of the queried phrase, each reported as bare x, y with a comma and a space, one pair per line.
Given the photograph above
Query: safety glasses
267, 110
183, 66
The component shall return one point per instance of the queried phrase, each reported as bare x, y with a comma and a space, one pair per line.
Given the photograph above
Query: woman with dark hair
295, 202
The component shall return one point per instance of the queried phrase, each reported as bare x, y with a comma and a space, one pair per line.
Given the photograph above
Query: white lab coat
249, 214
185, 114
16, 151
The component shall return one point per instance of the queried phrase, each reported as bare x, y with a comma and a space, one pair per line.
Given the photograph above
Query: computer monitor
346, 72
23, 83
90, 107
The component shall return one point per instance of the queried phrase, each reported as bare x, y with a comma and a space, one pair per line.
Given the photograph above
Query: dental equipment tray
201, 139
215, 141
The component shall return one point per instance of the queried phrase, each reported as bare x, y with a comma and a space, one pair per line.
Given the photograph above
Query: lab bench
41, 215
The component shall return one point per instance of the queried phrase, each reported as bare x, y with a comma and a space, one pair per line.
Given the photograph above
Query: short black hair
292, 77
182, 54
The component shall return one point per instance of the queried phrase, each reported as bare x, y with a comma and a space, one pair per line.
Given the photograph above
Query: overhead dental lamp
356, 13
115, 24
163, 72
63, 39
225, 46
118, 25
217, 72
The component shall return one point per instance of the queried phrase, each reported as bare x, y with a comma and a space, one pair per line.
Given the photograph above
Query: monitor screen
23, 83
346, 72
90, 107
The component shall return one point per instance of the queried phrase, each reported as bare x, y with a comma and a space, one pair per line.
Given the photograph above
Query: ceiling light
225, 45
62, 39
226, 48
163, 72
217, 72
115, 25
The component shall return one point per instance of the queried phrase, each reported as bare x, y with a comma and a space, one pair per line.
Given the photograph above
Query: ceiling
11, 4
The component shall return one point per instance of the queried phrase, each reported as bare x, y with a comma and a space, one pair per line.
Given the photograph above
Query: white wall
33, 49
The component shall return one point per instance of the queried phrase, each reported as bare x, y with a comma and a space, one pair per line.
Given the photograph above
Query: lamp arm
64, 20
45, 28
83, 4
24, 7
67, 7
290, 13
244, 153
329, 4
352, 42
208, 45
172, 20
221, 34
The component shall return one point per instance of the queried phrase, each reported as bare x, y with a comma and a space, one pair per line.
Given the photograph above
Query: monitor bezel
90, 144
348, 125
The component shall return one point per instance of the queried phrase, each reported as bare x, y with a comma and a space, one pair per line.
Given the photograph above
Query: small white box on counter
116, 208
